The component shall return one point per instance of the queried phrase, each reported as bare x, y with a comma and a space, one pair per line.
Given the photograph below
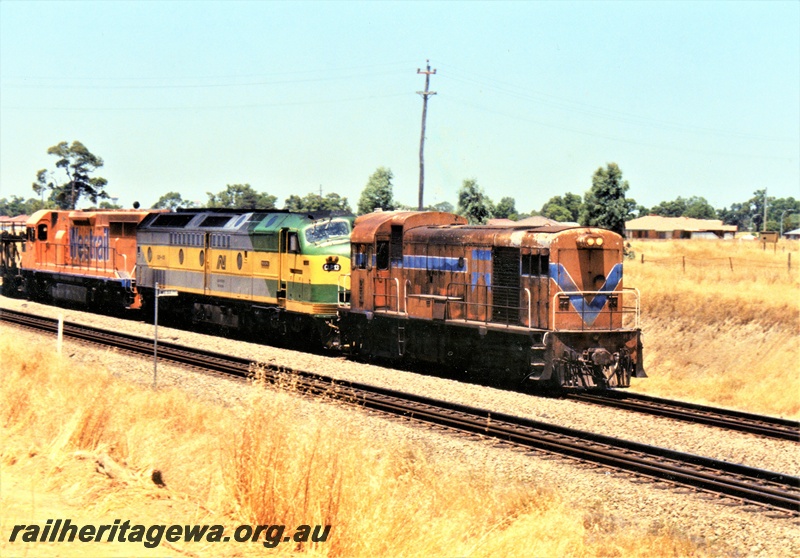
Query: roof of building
795, 232
659, 223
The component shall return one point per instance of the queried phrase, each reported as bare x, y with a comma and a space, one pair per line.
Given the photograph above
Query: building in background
657, 227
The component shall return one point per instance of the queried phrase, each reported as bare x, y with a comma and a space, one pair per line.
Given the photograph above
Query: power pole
425, 94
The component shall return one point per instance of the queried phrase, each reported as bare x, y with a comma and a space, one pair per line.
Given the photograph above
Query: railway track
747, 485
764, 426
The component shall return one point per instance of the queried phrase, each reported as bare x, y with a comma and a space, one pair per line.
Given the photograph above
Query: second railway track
764, 426
748, 485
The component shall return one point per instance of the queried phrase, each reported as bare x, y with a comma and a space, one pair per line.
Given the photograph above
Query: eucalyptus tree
605, 204
377, 194
77, 164
473, 203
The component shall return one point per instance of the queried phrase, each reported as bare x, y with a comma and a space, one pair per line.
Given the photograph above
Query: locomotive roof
235, 220
381, 222
485, 234
447, 228
94, 216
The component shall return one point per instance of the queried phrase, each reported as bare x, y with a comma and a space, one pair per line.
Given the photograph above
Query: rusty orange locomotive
543, 305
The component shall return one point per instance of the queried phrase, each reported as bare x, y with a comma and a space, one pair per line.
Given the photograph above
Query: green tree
738, 214
377, 194
78, 163
172, 201
473, 203
757, 204
109, 205
695, 207
783, 214
605, 204
19, 206
675, 208
13, 207
749, 215
506, 209
241, 196
565, 209
443, 206
314, 202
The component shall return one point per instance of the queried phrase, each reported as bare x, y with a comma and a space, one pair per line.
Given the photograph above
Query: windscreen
323, 231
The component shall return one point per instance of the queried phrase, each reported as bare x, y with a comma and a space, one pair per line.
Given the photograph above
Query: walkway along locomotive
516, 304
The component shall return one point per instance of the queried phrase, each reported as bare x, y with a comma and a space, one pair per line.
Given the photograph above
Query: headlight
589, 241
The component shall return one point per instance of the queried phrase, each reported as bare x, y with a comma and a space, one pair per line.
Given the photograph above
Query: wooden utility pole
425, 94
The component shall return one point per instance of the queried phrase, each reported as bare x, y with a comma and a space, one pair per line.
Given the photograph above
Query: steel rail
761, 425
750, 485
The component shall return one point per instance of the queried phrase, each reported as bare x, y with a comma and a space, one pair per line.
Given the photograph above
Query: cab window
382, 254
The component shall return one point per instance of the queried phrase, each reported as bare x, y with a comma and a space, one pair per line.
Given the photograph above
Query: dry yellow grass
719, 335
281, 460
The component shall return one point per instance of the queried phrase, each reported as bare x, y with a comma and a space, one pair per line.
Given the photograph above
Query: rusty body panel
547, 303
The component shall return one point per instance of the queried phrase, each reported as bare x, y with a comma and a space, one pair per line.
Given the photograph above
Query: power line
287, 81
206, 107
596, 111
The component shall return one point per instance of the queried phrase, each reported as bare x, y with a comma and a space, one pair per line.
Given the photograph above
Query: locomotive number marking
332, 267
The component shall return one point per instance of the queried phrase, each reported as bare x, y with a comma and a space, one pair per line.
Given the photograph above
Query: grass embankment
276, 460
721, 322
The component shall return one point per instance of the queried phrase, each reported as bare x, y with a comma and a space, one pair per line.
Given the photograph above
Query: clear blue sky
689, 98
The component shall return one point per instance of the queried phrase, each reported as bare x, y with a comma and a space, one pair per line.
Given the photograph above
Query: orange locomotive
80, 257
542, 305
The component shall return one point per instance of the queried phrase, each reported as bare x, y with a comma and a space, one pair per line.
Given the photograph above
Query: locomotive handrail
528, 292
405, 295
397, 289
487, 306
375, 295
621, 311
341, 291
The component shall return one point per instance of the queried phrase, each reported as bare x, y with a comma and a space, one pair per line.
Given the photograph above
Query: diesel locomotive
85, 258
272, 273
543, 305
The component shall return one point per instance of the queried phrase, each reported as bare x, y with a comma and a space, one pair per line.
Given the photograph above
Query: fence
730, 262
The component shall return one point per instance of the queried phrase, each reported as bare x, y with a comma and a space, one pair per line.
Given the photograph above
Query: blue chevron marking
588, 310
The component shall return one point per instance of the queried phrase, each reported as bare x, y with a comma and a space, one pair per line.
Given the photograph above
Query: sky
688, 98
